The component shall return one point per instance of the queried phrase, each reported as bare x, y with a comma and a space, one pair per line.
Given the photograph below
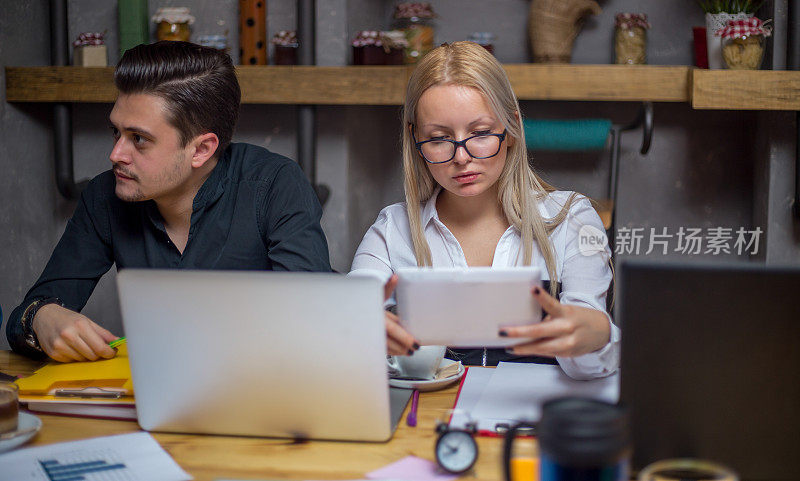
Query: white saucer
433, 384
28, 426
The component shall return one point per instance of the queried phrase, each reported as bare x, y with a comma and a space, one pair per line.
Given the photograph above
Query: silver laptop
299, 355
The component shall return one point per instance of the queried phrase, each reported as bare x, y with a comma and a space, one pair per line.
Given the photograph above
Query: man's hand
68, 336
398, 341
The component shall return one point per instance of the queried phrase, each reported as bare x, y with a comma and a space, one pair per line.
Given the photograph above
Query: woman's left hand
566, 331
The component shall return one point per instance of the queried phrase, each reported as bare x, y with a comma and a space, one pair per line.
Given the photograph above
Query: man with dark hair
180, 195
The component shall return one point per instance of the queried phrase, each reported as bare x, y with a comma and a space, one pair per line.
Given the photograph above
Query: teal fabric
566, 135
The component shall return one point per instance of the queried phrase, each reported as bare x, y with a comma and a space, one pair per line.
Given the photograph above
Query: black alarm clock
456, 450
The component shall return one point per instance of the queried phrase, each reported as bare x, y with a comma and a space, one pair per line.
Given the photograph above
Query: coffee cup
423, 364
9, 407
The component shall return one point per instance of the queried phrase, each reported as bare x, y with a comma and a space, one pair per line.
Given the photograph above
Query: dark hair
198, 84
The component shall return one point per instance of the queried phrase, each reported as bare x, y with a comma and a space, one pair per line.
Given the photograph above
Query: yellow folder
106, 379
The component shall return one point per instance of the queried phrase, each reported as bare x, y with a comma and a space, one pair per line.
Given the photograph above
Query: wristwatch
27, 320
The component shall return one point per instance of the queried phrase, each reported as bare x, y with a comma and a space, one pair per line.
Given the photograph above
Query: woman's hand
566, 331
398, 341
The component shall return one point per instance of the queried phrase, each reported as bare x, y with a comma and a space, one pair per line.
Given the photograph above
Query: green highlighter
117, 342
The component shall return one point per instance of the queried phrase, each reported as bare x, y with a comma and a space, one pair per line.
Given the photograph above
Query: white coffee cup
422, 364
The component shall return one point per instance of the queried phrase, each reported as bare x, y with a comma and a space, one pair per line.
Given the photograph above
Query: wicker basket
553, 26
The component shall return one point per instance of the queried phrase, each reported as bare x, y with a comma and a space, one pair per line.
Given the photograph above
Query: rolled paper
566, 135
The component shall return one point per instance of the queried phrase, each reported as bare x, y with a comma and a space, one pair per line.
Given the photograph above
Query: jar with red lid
743, 43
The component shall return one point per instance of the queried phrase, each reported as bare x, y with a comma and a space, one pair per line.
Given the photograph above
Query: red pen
411, 420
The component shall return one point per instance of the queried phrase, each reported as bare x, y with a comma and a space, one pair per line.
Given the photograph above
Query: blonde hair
468, 64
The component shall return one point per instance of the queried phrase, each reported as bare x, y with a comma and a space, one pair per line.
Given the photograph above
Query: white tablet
466, 307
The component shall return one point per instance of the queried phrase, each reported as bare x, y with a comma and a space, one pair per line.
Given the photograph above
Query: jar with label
630, 38
415, 20
173, 23
484, 39
743, 43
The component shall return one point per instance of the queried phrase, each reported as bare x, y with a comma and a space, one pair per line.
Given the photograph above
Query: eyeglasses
439, 151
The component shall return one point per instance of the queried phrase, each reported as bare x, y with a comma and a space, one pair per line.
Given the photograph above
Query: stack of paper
125, 457
515, 392
89, 389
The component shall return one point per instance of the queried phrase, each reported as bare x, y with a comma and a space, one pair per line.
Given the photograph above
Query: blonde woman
473, 200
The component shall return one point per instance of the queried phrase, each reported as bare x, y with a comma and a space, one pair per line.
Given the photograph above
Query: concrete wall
701, 171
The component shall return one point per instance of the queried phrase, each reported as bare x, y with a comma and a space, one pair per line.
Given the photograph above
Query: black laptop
711, 364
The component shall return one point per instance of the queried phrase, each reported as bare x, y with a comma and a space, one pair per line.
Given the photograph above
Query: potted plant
718, 14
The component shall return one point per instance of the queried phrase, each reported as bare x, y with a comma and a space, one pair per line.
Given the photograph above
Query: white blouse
585, 275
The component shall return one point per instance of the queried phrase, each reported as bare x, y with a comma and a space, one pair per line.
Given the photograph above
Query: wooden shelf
746, 90
600, 82
370, 85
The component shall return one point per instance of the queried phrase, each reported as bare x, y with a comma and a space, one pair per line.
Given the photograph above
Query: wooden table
214, 457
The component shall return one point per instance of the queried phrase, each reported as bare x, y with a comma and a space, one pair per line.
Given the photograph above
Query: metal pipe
306, 23
306, 114
796, 207
793, 60
62, 112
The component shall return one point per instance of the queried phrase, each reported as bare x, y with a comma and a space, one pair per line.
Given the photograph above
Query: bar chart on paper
81, 466
124, 457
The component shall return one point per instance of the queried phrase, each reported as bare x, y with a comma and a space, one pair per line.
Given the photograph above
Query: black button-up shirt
256, 211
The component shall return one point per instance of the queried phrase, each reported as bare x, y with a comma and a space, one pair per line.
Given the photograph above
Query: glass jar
394, 43
368, 48
286, 46
415, 20
743, 43
173, 23
484, 39
630, 38
743, 53
219, 42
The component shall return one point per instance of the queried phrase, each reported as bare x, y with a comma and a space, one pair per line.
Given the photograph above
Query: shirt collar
211, 190
213, 187
429, 209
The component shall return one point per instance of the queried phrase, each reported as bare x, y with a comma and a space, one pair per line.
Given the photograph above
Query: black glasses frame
457, 144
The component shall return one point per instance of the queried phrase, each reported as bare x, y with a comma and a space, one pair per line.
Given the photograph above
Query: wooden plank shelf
379, 85
746, 90
369, 85
600, 82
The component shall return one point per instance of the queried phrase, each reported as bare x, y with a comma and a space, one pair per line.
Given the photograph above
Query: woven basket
553, 26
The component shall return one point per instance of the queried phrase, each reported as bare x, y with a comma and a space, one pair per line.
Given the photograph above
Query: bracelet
27, 320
